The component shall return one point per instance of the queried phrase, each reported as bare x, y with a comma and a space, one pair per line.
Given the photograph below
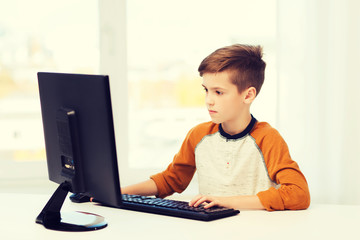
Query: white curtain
319, 94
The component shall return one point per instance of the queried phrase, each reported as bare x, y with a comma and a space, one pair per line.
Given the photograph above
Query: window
37, 36
166, 42
150, 49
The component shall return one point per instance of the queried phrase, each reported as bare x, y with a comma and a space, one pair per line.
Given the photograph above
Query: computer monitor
80, 146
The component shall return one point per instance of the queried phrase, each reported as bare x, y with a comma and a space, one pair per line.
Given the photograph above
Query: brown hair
244, 63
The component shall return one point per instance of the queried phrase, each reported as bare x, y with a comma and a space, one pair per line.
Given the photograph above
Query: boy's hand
207, 201
235, 202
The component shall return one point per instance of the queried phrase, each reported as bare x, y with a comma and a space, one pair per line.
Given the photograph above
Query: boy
241, 163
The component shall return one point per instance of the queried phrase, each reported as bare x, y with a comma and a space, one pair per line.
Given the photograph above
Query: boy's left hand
236, 202
208, 201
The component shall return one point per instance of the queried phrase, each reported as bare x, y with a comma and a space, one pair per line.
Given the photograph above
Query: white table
18, 213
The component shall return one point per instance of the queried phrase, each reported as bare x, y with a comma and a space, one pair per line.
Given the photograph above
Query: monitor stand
52, 218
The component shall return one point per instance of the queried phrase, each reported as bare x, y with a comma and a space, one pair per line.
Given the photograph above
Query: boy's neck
237, 126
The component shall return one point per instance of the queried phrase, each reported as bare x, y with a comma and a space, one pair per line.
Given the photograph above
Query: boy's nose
209, 100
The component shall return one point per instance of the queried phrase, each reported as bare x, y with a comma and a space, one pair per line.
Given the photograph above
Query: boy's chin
216, 121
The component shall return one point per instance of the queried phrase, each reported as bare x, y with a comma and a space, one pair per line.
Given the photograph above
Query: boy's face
223, 100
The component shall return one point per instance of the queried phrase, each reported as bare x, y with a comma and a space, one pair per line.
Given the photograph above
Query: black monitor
80, 146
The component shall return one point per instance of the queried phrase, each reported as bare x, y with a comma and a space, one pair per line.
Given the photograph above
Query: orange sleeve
293, 193
179, 173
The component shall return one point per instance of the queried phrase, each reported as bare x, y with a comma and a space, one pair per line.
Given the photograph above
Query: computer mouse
79, 198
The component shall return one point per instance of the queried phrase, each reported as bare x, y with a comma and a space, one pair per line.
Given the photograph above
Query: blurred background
151, 51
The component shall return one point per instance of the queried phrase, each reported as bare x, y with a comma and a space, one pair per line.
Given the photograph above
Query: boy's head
243, 63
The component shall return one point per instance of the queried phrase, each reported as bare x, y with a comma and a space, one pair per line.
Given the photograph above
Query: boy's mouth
212, 111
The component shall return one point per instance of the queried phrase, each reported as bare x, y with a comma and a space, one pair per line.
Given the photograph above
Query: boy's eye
219, 93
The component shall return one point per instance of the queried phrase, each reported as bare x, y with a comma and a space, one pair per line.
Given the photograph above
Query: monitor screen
79, 135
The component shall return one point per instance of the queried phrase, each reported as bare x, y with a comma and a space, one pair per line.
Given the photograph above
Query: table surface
18, 213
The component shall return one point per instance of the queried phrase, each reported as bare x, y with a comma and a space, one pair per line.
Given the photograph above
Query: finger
194, 200
202, 200
210, 205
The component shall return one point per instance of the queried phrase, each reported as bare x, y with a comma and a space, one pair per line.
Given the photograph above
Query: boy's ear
250, 95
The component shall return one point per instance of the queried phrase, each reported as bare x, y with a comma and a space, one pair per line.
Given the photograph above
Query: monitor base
52, 218
77, 222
